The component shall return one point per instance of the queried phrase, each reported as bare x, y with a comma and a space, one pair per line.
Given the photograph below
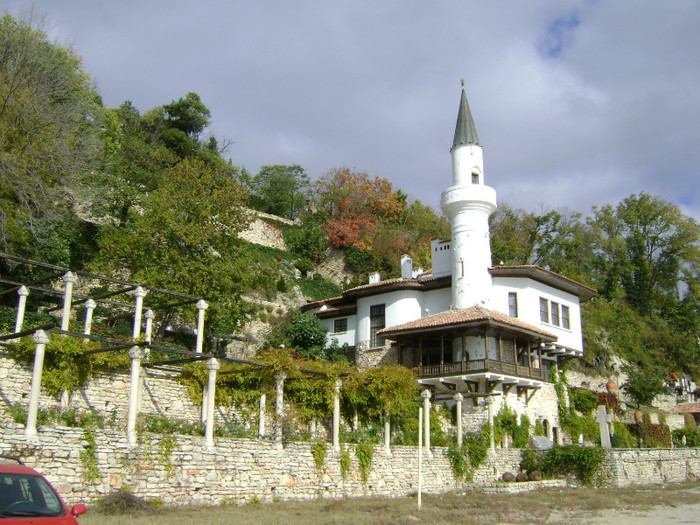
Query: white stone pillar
90, 306
139, 293
149, 315
201, 308
355, 421
279, 407
212, 365
136, 354
261, 421
69, 278
41, 339
336, 415
387, 434
23, 292
425, 394
458, 399
492, 438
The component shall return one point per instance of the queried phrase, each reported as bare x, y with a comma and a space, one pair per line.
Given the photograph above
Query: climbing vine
88, 457
66, 364
364, 453
344, 463
318, 451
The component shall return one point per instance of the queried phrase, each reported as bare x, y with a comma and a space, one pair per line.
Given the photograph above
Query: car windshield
27, 495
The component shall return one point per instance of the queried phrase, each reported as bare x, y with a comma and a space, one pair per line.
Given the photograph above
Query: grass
553, 506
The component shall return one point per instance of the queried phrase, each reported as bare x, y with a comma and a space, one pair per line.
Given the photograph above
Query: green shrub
304, 266
621, 437
691, 435
583, 462
584, 401
539, 428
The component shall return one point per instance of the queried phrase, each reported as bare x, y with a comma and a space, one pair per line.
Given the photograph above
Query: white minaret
468, 203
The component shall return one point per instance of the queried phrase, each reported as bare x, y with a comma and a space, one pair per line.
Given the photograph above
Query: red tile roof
686, 408
465, 316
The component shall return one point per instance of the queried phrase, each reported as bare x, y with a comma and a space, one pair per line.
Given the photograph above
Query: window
340, 325
544, 310
376, 323
565, 317
555, 313
513, 304
475, 178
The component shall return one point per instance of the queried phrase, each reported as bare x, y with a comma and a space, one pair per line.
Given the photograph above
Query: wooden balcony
479, 366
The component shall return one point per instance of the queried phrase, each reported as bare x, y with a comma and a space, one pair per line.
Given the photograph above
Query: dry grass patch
472, 508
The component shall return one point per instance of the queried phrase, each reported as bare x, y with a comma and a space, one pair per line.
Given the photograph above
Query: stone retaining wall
181, 471
624, 467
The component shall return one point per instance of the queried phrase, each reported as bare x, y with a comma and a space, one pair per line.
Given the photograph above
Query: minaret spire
468, 202
465, 131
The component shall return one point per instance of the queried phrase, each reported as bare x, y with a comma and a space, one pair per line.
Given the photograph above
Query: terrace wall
238, 470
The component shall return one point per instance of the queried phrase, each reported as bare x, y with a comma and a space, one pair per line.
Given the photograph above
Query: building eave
542, 275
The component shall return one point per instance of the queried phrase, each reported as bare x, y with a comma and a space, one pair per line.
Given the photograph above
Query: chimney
406, 267
374, 278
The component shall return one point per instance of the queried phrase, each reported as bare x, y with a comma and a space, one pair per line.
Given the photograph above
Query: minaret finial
462, 81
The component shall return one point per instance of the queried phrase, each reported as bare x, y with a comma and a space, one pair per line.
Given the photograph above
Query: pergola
125, 299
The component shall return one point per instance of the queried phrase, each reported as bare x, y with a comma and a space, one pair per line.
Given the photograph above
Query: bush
304, 266
691, 435
584, 401
583, 462
621, 438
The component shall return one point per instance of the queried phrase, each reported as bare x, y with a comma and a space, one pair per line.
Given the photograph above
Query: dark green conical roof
465, 132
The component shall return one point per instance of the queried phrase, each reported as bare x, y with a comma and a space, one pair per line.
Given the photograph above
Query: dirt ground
657, 505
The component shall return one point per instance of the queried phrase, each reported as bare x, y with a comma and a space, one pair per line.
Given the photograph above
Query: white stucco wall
529, 293
342, 337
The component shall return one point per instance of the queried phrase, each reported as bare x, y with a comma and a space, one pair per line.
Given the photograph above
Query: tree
49, 121
280, 190
184, 120
186, 240
642, 386
133, 164
354, 203
645, 248
306, 335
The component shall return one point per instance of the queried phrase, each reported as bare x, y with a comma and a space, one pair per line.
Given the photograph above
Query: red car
26, 498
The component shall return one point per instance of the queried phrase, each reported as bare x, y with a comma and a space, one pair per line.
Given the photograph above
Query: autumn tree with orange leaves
354, 203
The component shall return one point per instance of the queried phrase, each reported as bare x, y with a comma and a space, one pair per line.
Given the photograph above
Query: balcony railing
478, 366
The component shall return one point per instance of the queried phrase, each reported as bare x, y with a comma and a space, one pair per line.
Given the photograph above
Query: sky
577, 103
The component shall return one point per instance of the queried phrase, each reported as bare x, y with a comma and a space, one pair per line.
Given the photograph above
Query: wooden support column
500, 348
486, 349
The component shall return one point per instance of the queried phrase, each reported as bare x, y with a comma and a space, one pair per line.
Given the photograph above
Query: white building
464, 326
